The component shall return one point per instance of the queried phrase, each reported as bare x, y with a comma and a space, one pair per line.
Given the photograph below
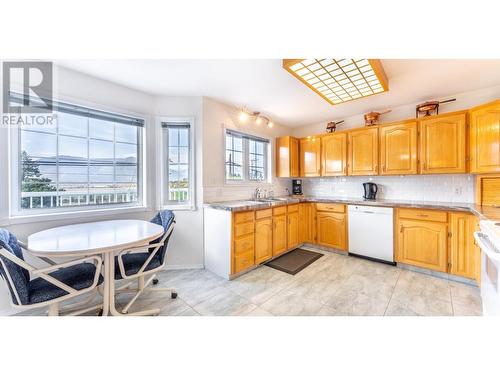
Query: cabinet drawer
243, 217
330, 207
293, 208
244, 244
260, 214
430, 215
242, 229
243, 261
279, 210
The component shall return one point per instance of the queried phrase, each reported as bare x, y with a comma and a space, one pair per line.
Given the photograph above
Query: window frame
17, 214
162, 167
246, 159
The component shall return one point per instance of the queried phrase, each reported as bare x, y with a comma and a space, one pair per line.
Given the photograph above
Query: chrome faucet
256, 193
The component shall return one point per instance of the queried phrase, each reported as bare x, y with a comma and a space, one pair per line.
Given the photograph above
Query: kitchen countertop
483, 212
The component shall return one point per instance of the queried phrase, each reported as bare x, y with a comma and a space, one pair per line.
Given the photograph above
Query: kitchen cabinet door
398, 149
464, 252
306, 223
263, 240
331, 230
310, 157
363, 152
442, 144
485, 138
279, 234
423, 244
287, 157
334, 155
293, 230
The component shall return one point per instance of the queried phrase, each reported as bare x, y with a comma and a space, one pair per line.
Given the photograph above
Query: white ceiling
263, 85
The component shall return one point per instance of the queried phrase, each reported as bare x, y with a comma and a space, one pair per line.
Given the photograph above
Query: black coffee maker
297, 187
370, 190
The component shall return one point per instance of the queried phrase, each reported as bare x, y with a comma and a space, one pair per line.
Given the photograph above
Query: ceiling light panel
340, 80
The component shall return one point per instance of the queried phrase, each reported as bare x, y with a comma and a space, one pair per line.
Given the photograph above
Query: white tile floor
333, 285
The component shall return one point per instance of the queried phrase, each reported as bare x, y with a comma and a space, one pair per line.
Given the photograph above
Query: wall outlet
458, 191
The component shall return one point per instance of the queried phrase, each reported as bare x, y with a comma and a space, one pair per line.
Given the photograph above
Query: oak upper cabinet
287, 157
485, 138
442, 144
464, 256
310, 157
334, 154
423, 239
263, 235
331, 225
293, 226
279, 230
306, 230
363, 152
398, 148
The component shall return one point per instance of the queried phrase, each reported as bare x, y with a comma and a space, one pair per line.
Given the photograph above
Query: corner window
246, 157
177, 164
89, 158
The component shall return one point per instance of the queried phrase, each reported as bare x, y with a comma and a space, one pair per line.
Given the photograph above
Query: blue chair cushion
20, 276
165, 218
79, 276
133, 263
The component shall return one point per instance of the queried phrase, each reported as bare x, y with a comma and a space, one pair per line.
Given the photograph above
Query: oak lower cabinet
362, 157
293, 226
464, 254
279, 230
310, 157
398, 148
287, 157
331, 226
485, 138
443, 144
263, 235
334, 154
306, 219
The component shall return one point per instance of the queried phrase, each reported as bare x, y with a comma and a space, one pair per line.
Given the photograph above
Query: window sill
179, 207
86, 214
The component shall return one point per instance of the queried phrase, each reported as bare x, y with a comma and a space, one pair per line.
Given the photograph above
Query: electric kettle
370, 190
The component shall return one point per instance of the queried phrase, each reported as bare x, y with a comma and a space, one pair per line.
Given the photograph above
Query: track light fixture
258, 118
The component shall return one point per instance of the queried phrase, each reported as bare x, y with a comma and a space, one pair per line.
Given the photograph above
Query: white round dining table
100, 237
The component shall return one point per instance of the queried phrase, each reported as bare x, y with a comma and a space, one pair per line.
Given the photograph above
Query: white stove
488, 239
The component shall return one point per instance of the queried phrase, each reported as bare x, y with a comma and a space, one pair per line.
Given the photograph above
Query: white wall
186, 248
217, 117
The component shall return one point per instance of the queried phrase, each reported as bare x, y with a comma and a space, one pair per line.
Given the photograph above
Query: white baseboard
184, 267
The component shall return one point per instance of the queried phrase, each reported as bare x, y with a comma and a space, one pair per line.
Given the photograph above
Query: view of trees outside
82, 161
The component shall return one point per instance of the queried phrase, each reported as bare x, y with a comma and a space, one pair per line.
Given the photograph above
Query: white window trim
160, 168
246, 181
16, 215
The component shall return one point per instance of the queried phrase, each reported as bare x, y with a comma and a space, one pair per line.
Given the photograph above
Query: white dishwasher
371, 232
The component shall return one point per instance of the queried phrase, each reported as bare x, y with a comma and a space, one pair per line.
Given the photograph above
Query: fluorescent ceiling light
348, 78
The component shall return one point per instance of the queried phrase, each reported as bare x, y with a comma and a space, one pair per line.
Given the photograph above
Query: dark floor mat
294, 261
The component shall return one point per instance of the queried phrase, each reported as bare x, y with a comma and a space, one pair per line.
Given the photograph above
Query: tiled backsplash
435, 188
229, 192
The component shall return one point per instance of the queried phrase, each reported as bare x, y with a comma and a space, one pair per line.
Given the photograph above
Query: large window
89, 158
177, 151
246, 157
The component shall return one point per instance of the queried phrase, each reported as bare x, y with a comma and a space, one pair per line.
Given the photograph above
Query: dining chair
31, 287
137, 263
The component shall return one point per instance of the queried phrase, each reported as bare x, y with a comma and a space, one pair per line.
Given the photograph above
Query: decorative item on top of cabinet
398, 148
310, 156
287, 157
422, 239
371, 118
442, 143
485, 138
332, 126
334, 154
362, 156
428, 107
